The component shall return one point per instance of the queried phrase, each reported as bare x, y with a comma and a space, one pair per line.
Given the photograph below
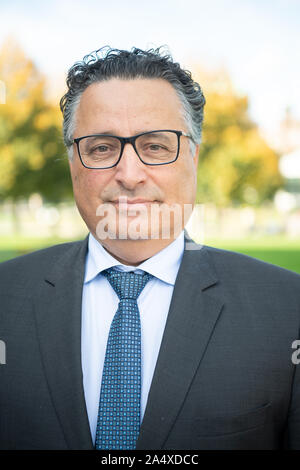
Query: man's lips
132, 201
126, 206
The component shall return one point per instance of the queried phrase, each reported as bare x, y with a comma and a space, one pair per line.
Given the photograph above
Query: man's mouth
124, 202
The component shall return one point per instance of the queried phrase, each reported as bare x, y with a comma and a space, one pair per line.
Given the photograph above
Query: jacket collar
190, 323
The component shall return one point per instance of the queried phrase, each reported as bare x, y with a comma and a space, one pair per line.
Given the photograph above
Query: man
134, 338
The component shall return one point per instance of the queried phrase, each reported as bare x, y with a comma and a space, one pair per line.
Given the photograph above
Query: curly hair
106, 63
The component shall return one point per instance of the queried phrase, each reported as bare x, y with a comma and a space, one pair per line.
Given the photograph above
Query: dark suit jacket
224, 377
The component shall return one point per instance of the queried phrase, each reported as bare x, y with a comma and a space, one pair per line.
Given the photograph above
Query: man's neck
134, 252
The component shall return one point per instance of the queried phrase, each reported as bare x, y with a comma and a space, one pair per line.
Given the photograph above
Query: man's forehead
134, 99
118, 89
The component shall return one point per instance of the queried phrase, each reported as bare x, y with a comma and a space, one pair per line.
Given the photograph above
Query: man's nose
130, 171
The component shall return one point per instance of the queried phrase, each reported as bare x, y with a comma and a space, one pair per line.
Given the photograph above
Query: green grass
10, 247
278, 250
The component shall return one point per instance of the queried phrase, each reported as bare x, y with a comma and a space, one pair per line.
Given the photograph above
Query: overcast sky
258, 41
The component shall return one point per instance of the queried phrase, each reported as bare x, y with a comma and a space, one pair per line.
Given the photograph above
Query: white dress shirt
100, 303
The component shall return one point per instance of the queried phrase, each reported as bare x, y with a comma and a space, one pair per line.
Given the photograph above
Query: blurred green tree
32, 155
236, 165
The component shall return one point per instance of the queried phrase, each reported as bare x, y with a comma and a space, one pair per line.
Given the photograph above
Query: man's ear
196, 156
70, 159
71, 166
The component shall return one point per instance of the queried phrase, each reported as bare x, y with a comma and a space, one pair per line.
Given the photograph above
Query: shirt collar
163, 265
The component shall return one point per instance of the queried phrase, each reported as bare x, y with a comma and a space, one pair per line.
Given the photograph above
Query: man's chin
138, 233
152, 222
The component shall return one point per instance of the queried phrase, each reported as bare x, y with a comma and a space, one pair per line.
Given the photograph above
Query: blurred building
287, 200
288, 144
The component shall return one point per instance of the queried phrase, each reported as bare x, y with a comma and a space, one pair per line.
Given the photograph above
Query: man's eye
101, 148
155, 147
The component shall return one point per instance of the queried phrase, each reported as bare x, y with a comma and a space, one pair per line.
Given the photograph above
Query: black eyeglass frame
130, 140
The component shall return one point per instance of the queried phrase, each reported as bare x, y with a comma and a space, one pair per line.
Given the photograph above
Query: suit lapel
192, 315
58, 319
191, 319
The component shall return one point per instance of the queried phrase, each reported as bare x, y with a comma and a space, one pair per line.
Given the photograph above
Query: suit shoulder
31, 264
238, 264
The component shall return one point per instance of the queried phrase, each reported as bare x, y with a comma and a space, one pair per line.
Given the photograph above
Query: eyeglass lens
104, 151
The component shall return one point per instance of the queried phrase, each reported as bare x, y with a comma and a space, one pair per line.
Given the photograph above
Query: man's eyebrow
110, 132
155, 134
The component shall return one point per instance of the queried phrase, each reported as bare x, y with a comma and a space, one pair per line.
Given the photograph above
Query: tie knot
127, 285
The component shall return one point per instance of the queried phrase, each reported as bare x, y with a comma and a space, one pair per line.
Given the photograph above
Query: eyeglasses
101, 151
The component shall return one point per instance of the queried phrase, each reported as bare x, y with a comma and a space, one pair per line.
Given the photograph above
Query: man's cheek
84, 182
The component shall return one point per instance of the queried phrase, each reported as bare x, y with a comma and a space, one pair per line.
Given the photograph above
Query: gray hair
107, 63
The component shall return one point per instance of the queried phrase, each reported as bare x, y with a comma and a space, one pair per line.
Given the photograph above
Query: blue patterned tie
118, 422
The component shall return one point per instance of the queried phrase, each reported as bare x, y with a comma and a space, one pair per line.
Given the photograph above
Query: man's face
125, 108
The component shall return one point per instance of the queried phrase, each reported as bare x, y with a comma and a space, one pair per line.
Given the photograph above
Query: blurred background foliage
237, 169
236, 165
32, 155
